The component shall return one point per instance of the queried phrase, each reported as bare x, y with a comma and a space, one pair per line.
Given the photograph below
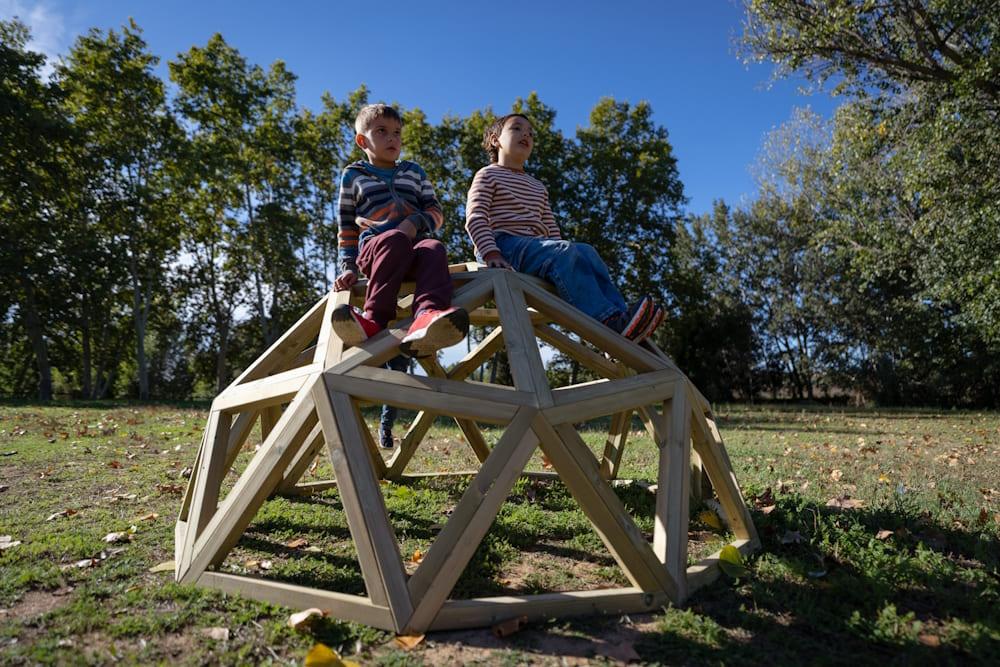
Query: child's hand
495, 260
345, 280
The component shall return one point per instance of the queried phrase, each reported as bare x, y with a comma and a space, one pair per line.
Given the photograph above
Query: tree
118, 106
33, 133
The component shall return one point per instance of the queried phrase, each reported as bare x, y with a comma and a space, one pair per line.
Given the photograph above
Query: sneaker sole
347, 328
444, 332
639, 320
658, 315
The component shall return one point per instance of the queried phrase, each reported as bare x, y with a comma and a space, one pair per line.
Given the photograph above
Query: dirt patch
36, 603
552, 572
612, 642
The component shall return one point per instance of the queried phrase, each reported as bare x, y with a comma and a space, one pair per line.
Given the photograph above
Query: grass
908, 573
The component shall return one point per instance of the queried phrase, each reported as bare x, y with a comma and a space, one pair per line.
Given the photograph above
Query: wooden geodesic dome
306, 390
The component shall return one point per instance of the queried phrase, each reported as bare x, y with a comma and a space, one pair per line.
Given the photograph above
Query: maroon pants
390, 258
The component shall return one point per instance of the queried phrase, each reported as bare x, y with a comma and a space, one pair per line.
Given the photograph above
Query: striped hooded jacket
373, 200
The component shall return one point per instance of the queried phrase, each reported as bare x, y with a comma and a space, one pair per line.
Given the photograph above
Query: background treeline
156, 236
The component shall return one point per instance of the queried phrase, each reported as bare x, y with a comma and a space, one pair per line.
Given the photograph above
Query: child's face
382, 142
516, 139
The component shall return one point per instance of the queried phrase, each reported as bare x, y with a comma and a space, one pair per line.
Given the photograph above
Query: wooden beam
522, 350
475, 358
670, 531
329, 347
577, 467
706, 570
303, 459
211, 471
268, 391
579, 352
484, 612
604, 397
367, 518
450, 552
472, 400
338, 605
614, 446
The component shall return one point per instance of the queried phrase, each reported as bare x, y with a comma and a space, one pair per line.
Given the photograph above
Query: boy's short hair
495, 129
371, 113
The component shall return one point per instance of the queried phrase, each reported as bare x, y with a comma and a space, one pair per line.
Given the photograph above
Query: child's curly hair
494, 130
369, 114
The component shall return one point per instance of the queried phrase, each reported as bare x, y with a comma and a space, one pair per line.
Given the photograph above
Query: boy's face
382, 142
517, 138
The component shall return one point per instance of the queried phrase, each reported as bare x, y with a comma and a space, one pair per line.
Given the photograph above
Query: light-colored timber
307, 390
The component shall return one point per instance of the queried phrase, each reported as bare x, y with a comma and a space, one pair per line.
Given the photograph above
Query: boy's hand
495, 260
345, 280
408, 228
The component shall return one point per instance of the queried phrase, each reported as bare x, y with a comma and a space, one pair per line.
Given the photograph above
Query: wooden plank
269, 416
451, 551
706, 570
709, 446
593, 331
255, 484
484, 612
488, 316
475, 358
581, 353
378, 550
470, 429
374, 452
472, 400
408, 445
287, 347
314, 443
211, 471
604, 397
614, 446
522, 349
272, 390
670, 529
380, 348
577, 467
338, 605
238, 434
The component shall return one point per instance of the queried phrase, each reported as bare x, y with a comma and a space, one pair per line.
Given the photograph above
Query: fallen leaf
929, 640
510, 626
731, 562
710, 519
166, 566
218, 634
883, 534
86, 562
111, 538
845, 503
302, 619
266, 565
836, 475
6, 542
3, 487
408, 642
321, 655
152, 516
114, 464
767, 510
417, 556
65, 512
983, 517
546, 463
297, 542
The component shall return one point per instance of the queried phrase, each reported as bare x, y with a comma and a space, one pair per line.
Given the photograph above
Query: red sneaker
638, 318
434, 329
655, 321
352, 327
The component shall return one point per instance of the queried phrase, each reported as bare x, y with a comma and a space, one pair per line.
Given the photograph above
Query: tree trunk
86, 385
33, 324
139, 313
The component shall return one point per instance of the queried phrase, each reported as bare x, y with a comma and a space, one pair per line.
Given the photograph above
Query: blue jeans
577, 271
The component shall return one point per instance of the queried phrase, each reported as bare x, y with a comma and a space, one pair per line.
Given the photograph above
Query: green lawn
907, 572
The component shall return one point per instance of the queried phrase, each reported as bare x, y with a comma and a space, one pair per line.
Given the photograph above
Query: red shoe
434, 329
352, 327
638, 316
655, 321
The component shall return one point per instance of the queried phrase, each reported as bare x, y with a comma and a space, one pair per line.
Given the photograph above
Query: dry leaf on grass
731, 562
302, 619
152, 516
408, 642
322, 655
3, 487
710, 519
546, 463
929, 640
114, 464
510, 626
65, 512
6, 542
883, 534
845, 503
166, 566
836, 475
297, 542
417, 556
218, 634
266, 565
768, 509
112, 538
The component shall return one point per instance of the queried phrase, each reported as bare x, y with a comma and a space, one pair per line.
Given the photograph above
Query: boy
388, 214
510, 222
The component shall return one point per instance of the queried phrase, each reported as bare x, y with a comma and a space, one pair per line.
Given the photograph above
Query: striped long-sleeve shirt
504, 200
373, 200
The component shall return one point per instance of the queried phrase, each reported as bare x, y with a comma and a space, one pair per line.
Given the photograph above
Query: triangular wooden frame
305, 390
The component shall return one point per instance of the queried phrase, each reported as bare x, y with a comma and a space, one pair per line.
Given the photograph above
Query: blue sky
455, 57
